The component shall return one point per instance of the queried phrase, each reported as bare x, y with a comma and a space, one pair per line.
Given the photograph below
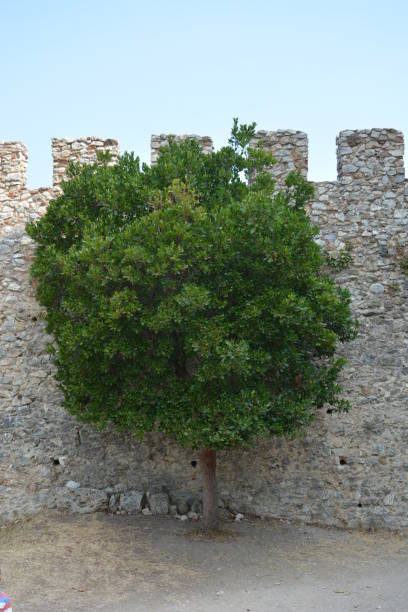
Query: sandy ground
56, 563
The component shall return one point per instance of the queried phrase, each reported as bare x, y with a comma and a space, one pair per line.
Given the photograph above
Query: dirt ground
56, 563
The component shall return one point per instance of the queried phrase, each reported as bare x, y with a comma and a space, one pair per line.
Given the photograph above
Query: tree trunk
208, 466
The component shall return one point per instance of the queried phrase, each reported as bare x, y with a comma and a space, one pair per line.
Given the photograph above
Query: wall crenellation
81, 150
13, 164
349, 470
161, 140
289, 148
374, 157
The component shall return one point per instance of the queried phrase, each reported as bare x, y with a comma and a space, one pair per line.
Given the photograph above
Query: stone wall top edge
158, 140
87, 139
369, 131
11, 142
298, 133
39, 190
280, 132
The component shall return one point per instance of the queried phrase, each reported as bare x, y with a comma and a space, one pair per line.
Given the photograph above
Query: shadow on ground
56, 563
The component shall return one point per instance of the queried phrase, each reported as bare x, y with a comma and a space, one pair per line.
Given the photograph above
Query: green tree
184, 299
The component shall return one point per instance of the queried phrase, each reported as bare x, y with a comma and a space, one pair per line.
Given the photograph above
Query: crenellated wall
162, 140
82, 150
349, 470
289, 148
13, 164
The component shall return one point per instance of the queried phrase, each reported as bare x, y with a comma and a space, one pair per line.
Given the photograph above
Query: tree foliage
186, 299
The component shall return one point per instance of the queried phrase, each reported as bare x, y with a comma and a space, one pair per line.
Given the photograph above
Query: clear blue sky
126, 69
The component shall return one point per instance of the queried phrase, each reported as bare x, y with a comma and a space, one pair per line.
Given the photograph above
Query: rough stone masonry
349, 470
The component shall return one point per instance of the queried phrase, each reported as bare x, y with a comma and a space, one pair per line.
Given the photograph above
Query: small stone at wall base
193, 516
82, 500
183, 500
113, 503
197, 507
159, 503
131, 501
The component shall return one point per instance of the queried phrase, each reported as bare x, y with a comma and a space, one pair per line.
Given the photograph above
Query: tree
184, 299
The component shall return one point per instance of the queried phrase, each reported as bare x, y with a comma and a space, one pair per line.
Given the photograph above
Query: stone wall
349, 470
290, 150
82, 150
161, 140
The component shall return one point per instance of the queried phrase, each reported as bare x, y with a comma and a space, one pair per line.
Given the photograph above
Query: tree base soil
60, 563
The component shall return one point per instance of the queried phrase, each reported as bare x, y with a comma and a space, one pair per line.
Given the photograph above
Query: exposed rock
83, 500
197, 506
113, 503
131, 501
183, 500
159, 503
182, 517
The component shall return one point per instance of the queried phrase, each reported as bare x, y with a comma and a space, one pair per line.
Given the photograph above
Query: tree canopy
187, 299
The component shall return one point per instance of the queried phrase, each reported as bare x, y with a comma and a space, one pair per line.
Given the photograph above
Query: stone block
131, 501
159, 503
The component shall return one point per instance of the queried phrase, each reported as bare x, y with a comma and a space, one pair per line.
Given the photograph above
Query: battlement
289, 148
161, 140
13, 159
371, 157
13, 164
82, 150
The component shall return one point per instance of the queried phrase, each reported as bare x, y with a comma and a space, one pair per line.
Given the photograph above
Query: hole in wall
329, 411
194, 464
360, 505
34, 319
55, 461
343, 461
